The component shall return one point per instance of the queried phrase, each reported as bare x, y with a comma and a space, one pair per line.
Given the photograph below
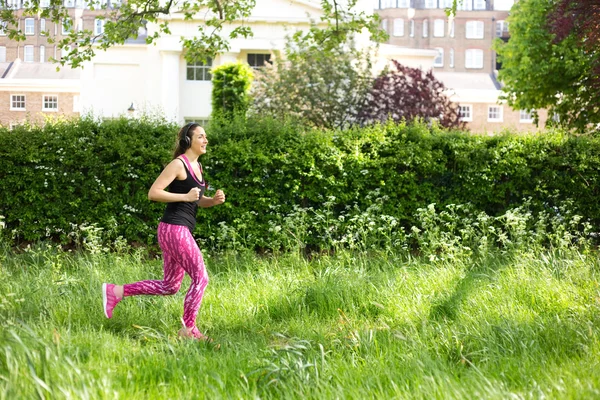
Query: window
426, 28
388, 3
199, 71
384, 25
3, 25
258, 60
69, 3
2, 53
44, 3
525, 116
451, 55
452, 28
115, 3
79, 24
479, 5
66, 26
474, 58
412, 28
29, 26
14, 4
50, 102
403, 3
466, 112
475, 30
494, 114
42, 54
28, 53
465, 5
398, 27
98, 26
439, 59
17, 102
430, 3
43, 27
501, 28
445, 3
203, 122
438, 28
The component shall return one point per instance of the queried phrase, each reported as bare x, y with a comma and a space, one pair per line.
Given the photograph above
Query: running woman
184, 180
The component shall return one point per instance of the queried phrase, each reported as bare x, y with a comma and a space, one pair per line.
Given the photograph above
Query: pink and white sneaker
193, 333
110, 300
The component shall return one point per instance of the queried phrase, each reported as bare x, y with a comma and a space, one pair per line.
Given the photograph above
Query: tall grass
518, 323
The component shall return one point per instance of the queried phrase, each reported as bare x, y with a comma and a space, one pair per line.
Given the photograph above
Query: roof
467, 80
21, 70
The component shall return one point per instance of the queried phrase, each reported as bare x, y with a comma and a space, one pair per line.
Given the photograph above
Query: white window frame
29, 26
42, 54
2, 53
465, 5
403, 3
47, 99
28, 53
202, 69
3, 27
451, 27
501, 28
65, 30
466, 107
479, 5
439, 59
99, 26
398, 29
474, 30
412, 28
445, 3
13, 101
42, 26
500, 110
384, 25
425, 28
388, 4
525, 117
451, 58
438, 28
474, 59
69, 3
79, 24
430, 4
44, 3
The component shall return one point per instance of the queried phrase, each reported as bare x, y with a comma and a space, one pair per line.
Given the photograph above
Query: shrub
231, 84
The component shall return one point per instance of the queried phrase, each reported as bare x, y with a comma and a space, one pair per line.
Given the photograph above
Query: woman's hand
219, 198
193, 195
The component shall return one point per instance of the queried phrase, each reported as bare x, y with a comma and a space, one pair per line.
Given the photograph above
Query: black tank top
184, 213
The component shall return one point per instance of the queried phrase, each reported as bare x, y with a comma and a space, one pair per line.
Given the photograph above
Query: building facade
465, 61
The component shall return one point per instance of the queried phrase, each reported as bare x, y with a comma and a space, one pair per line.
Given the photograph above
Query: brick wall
33, 107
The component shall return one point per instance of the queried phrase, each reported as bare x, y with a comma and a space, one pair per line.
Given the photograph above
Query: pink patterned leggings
181, 254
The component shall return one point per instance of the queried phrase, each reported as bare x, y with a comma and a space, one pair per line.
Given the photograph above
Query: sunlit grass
520, 324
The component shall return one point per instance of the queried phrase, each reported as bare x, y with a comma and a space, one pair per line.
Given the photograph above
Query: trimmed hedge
99, 172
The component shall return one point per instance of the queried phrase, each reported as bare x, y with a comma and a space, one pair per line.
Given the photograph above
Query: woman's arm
172, 171
218, 198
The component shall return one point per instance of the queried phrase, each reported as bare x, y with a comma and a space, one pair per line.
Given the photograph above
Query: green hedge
55, 179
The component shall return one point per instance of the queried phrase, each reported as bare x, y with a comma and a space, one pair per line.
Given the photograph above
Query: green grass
517, 325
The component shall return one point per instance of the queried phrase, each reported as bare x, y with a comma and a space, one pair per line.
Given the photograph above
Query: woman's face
199, 140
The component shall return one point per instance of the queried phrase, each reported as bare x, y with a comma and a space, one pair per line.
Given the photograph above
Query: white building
157, 79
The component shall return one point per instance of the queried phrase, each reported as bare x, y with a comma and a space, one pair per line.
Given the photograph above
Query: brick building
465, 61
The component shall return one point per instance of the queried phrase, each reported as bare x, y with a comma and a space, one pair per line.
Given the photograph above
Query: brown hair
182, 145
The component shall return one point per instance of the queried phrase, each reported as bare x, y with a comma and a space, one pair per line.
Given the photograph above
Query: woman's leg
169, 239
193, 263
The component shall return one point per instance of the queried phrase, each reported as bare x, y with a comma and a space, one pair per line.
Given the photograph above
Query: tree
231, 84
123, 19
323, 88
582, 19
408, 93
540, 72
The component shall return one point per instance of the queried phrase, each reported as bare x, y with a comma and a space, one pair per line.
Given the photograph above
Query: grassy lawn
522, 324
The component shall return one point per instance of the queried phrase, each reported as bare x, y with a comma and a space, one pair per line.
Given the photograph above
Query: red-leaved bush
408, 93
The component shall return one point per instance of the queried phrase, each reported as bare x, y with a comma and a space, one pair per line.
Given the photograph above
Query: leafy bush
287, 187
231, 84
